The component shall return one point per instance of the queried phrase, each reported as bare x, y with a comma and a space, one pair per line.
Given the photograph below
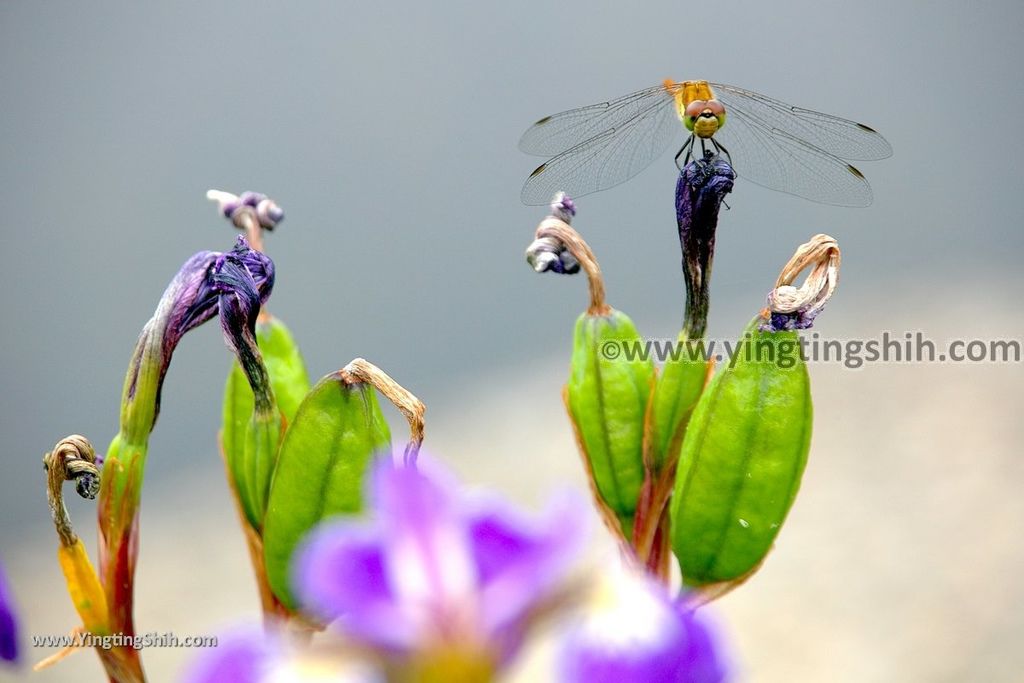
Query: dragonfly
767, 141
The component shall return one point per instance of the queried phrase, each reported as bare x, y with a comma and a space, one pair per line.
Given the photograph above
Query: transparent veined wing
797, 150
556, 133
838, 136
600, 146
777, 160
771, 143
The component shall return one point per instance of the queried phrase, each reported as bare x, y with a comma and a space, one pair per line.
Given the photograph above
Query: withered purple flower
242, 279
795, 308
700, 191
239, 280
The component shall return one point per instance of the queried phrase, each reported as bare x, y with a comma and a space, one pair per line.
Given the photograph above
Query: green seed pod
607, 398
326, 451
679, 385
249, 438
742, 459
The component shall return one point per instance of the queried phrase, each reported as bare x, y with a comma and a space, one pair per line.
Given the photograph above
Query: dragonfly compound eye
692, 112
693, 109
715, 107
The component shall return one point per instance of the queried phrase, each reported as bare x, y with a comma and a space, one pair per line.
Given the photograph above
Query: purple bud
549, 254
563, 207
269, 214
252, 199
227, 203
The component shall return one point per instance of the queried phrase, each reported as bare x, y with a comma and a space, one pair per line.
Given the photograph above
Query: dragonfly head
704, 117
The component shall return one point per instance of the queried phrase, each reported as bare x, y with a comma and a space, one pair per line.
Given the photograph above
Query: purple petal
258, 264
191, 296
188, 302
244, 656
251, 654
339, 572
428, 554
436, 569
8, 623
638, 634
521, 560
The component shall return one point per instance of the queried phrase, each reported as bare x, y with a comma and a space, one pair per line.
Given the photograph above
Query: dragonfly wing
838, 136
607, 158
556, 133
777, 160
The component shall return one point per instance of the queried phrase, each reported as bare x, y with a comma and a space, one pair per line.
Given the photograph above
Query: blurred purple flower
438, 577
244, 655
8, 623
253, 654
635, 632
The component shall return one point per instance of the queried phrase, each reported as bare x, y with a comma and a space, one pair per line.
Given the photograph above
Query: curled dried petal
791, 307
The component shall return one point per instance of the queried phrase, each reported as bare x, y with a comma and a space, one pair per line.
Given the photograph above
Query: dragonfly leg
719, 147
685, 148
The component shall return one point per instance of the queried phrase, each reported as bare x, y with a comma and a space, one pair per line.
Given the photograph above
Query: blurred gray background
388, 133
